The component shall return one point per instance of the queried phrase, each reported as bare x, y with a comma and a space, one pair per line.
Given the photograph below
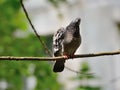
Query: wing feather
58, 41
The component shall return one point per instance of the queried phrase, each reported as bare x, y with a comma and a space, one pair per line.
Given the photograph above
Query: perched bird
65, 42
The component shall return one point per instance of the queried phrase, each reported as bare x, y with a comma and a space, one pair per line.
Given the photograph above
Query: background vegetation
12, 23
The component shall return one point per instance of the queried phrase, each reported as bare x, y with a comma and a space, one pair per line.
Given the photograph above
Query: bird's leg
66, 56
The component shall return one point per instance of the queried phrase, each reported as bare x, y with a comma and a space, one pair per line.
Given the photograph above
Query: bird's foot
66, 56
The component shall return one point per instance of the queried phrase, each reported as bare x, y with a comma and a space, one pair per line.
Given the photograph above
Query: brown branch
97, 54
58, 58
38, 36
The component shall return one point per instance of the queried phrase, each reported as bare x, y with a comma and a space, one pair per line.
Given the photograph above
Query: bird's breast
71, 47
68, 37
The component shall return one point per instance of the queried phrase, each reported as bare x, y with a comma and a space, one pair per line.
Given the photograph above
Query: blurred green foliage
118, 25
56, 3
12, 19
84, 77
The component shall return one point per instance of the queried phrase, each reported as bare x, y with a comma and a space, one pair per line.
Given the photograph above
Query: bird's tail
59, 66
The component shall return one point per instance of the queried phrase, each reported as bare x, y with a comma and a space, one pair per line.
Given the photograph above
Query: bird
65, 43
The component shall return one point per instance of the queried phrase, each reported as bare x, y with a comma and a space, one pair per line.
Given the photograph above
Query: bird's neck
77, 32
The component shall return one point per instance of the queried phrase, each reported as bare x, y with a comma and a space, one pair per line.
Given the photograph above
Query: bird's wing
58, 42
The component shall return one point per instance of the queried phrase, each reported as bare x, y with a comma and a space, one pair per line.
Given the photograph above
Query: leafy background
14, 21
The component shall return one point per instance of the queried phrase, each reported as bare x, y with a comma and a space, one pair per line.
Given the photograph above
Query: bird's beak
77, 21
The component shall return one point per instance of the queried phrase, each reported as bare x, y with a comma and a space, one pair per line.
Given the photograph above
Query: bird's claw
68, 56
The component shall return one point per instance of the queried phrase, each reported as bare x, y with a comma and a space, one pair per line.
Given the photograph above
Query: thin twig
72, 70
29, 58
59, 58
38, 36
97, 54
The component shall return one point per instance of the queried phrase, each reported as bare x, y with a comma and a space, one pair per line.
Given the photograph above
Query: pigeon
65, 43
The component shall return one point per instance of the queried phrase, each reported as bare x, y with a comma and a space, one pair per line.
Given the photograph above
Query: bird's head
75, 22
73, 27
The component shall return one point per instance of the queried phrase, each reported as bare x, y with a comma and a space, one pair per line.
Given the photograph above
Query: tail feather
59, 66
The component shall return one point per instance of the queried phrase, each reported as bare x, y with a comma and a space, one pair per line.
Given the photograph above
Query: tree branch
38, 36
58, 58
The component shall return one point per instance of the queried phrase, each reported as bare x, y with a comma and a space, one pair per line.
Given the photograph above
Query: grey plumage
65, 42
